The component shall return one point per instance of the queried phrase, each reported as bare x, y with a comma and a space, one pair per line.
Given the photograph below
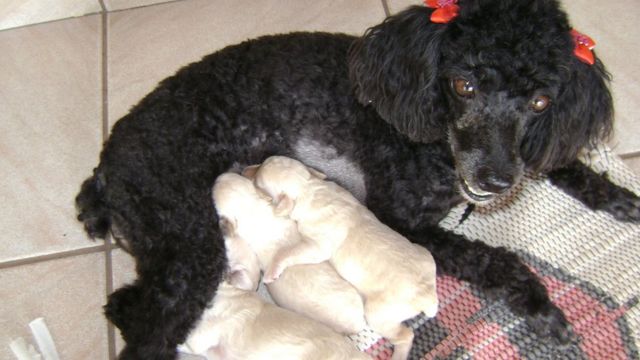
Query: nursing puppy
396, 278
241, 325
251, 229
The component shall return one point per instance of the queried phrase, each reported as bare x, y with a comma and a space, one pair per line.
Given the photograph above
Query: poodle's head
500, 82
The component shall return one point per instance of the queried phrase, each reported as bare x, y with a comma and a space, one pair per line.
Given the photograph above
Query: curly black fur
595, 191
511, 51
403, 131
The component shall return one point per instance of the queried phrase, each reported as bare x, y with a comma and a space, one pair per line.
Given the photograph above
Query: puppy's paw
272, 274
550, 323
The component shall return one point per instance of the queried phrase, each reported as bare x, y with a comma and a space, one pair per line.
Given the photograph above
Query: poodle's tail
92, 209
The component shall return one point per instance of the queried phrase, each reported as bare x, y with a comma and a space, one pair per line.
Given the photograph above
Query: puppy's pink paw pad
271, 275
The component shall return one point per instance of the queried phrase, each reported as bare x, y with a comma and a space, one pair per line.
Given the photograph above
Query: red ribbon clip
446, 10
584, 45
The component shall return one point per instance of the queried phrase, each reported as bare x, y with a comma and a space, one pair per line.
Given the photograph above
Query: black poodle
414, 117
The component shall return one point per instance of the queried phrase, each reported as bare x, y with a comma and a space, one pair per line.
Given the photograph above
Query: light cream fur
251, 227
242, 326
396, 278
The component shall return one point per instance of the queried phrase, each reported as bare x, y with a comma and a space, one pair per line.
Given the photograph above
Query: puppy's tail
91, 207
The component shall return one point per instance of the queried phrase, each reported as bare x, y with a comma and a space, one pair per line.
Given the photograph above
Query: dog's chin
473, 194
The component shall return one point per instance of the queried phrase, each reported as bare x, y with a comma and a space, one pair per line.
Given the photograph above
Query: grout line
108, 263
54, 256
50, 21
105, 76
102, 10
163, 2
630, 155
385, 6
111, 333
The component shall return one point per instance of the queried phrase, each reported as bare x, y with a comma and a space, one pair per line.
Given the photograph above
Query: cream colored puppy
396, 278
242, 326
252, 231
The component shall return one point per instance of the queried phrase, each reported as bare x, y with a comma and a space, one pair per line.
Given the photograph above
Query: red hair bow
446, 10
584, 45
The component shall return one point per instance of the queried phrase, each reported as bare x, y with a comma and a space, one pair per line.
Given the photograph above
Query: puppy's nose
491, 181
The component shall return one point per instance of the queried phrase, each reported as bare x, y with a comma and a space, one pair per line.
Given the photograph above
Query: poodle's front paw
550, 322
543, 317
625, 208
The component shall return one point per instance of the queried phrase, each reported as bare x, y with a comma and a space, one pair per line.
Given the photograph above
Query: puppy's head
232, 194
281, 176
500, 82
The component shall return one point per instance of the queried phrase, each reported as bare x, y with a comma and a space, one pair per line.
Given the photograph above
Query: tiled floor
65, 82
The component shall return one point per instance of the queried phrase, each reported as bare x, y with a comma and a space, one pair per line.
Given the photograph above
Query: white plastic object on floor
23, 350
43, 339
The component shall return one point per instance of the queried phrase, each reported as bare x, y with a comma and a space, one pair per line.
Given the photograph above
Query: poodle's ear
250, 171
394, 67
580, 117
283, 205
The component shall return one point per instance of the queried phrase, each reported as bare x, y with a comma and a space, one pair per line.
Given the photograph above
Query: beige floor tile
112, 5
50, 133
148, 44
613, 25
399, 5
124, 270
68, 293
23, 12
634, 164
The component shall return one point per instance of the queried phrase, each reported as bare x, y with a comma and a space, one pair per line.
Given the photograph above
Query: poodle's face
500, 82
487, 125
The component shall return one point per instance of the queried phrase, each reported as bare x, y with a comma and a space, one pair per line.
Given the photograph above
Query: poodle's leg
304, 252
176, 281
499, 271
596, 191
156, 313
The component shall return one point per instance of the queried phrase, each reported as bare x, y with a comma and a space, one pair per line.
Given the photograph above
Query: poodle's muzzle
485, 140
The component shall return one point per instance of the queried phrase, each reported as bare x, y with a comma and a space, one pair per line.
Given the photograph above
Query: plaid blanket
588, 261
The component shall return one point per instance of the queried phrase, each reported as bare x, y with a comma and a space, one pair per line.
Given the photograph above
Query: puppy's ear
394, 67
283, 205
250, 171
241, 279
227, 226
581, 116
317, 174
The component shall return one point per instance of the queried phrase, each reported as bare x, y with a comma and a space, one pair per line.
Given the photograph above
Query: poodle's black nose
490, 181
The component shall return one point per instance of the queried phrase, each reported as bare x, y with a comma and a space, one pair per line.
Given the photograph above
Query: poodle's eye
464, 88
540, 103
